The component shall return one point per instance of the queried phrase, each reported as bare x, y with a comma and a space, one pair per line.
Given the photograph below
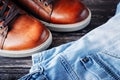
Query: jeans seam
36, 59
68, 68
105, 67
88, 70
106, 52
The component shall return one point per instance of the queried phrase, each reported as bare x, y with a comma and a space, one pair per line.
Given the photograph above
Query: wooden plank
102, 10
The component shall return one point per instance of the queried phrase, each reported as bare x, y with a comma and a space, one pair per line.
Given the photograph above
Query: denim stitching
68, 68
109, 53
105, 67
108, 47
89, 70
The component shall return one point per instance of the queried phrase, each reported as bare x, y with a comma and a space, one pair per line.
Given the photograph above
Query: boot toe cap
68, 13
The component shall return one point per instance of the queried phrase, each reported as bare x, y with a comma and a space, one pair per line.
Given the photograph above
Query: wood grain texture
102, 10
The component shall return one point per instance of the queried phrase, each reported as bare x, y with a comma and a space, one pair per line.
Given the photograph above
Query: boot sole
69, 27
29, 52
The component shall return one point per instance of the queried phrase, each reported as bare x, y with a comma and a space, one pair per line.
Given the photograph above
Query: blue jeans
95, 56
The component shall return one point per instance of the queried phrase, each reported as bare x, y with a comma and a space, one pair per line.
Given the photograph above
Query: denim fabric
118, 8
95, 56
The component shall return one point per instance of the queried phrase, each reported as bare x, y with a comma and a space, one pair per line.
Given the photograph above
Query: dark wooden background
102, 10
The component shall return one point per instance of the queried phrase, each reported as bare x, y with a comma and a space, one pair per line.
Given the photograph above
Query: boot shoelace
5, 19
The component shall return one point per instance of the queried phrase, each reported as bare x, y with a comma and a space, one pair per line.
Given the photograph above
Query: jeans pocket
94, 71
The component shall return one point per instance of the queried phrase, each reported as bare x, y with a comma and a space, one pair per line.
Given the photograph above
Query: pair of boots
22, 35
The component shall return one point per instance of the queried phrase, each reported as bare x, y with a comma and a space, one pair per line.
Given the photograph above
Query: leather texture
24, 32
58, 11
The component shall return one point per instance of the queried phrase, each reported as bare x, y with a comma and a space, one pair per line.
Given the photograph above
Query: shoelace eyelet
46, 4
40, 0
1, 27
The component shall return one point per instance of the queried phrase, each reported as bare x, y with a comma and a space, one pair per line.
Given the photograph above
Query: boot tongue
7, 14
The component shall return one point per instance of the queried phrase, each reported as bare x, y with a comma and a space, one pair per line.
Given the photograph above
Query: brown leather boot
59, 15
20, 34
